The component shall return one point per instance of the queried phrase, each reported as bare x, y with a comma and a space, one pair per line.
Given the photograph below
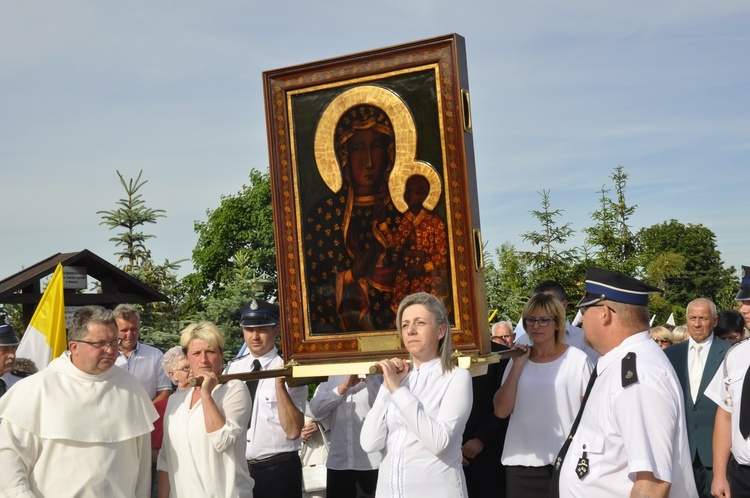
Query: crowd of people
617, 408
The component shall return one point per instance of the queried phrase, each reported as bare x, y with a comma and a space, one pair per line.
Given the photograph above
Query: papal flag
44, 339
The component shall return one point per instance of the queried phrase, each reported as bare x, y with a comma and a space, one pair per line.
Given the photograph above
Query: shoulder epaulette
728, 397
19, 373
238, 358
629, 371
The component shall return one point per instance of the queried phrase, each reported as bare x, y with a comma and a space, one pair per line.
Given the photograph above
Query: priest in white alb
79, 427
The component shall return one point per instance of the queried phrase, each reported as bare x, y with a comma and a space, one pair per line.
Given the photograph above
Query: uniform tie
555, 483
3, 387
696, 371
252, 386
745, 406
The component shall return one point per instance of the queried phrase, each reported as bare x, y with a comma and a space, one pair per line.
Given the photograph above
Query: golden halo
397, 184
405, 140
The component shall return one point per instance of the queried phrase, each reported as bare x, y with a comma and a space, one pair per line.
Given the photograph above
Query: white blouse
421, 425
547, 401
201, 464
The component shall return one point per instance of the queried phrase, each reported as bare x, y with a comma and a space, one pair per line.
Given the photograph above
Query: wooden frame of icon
375, 198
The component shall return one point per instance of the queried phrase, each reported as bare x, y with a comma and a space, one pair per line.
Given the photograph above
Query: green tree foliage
685, 260
551, 261
507, 283
131, 214
242, 221
223, 309
611, 237
160, 321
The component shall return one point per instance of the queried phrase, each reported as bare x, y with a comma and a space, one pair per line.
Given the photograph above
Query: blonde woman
203, 451
679, 334
661, 335
421, 409
541, 392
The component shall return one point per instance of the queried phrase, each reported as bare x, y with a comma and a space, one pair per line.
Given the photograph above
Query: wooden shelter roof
116, 285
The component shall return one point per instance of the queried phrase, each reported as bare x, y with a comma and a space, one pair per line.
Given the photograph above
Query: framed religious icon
374, 197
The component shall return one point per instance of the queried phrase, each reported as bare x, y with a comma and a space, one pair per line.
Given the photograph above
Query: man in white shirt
630, 436
348, 399
79, 427
729, 389
573, 335
743, 296
273, 438
141, 360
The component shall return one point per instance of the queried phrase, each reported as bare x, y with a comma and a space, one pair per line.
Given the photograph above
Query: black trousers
485, 475
527, 482
277, 477
343, 483
704, 476
739, 479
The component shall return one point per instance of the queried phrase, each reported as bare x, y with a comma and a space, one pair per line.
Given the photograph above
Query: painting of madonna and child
363, 251
374, 195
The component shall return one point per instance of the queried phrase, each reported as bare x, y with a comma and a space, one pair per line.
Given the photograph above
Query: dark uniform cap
8, 336
613, 286
259, 314
744, 293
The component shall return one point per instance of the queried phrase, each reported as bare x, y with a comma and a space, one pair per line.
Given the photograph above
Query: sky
561, 93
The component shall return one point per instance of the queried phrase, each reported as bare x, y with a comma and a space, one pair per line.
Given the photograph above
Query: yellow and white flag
44, 339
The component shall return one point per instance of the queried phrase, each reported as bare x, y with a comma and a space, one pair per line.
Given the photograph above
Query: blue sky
562, 92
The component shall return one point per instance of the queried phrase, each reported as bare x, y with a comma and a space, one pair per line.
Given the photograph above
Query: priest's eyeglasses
100, 344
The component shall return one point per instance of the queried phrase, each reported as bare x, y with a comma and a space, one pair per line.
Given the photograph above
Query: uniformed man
629, 438
730, 389
743, 296
273, 438
8, 346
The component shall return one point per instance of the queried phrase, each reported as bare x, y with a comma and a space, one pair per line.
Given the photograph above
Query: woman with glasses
203, 450
177, 368
661, 336
541, 392
421, 409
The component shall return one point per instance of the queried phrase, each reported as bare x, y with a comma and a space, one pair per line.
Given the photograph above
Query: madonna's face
368, 160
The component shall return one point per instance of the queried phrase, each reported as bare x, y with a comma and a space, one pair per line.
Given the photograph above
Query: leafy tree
665, 266
223, 309
551, 261
686, 260
161, 322
242, 221
611, 235
507, 283
132, 214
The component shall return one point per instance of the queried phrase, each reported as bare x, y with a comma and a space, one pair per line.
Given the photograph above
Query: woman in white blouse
421, 409
203, 452
541, 391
